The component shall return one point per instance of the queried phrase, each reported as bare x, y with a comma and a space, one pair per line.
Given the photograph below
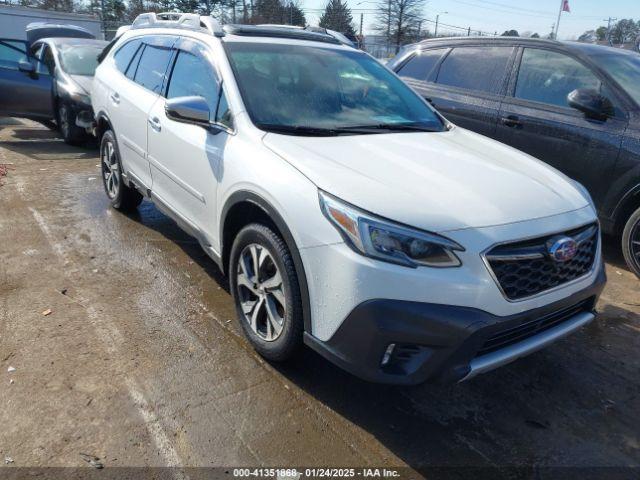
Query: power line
517, 10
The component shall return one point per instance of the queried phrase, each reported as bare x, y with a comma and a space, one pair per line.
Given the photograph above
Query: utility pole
469, 32
609, 20
104, 24
435, 34
388, 26
361, 21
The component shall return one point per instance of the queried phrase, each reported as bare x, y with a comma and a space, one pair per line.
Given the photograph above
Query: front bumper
442, 342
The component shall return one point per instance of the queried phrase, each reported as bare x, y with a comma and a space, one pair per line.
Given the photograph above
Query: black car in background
50, 79
575, 106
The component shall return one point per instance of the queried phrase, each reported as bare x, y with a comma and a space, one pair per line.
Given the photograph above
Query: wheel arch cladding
245, 207
629, 204
103, 124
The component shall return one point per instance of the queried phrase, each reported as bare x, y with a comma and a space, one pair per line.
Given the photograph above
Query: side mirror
193, 110
591, 103
26, 67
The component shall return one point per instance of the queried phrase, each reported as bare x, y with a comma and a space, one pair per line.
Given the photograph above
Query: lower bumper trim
508, 354
441, 343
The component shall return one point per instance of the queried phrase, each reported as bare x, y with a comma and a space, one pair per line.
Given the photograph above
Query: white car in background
347, 213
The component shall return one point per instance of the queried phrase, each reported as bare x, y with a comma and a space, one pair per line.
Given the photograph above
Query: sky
500, 15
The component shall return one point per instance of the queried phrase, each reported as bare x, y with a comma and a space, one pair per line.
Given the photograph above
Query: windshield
625, 69
80, 60
311, 90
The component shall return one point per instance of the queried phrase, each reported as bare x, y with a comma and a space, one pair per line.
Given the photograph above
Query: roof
488, 40
585, 48
207, 24
591, 49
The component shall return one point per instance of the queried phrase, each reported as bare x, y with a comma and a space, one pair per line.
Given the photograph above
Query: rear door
466, 85
537, 119
132, 96
420, 69
470, 84
24, 94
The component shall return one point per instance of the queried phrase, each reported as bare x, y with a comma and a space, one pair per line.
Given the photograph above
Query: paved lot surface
141, 362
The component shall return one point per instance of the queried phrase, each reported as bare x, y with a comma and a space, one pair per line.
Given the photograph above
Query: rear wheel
121, 196
631, 242
71, 133
266, 292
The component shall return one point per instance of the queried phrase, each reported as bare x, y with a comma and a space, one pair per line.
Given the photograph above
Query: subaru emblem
563, 249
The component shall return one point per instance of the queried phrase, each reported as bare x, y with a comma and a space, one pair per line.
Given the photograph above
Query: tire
71, 133
121, 196
261, 325
631, 242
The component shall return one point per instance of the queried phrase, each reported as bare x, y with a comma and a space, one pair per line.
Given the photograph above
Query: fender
250, 197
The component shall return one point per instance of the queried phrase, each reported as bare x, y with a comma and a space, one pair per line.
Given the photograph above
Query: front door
23, 94
537, 119
185, 159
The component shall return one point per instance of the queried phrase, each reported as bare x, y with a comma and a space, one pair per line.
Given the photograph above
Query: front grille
512, 335
526, 268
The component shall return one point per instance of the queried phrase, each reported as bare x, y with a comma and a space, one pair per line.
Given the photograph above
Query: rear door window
125, 53
475, 68
152, 67
548, 77
421, 64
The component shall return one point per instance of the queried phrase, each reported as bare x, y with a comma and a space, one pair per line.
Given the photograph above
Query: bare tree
399, 21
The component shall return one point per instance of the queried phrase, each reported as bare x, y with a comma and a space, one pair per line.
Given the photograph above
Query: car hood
434, 181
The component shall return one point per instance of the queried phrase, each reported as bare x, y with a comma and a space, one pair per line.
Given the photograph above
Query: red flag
565, 6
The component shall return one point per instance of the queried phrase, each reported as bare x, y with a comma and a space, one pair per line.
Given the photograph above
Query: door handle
512, 121
155, 123
115, 98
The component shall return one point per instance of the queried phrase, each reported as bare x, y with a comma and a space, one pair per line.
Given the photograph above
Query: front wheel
631, 242
71, 133
266, 292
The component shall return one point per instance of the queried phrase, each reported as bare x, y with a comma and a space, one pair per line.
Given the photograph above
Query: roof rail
280, 31
190, 21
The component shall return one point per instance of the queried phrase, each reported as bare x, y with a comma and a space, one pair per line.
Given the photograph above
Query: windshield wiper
334, 131
391, 127
299, 130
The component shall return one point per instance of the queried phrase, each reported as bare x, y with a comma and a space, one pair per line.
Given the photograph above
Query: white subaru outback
346, 212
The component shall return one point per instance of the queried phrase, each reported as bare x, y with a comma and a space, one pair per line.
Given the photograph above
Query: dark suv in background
575, 106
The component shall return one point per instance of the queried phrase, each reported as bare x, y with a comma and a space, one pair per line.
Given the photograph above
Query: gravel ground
140, 361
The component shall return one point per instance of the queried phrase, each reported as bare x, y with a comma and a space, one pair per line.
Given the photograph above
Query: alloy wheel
110, 169
260, 292
634, 243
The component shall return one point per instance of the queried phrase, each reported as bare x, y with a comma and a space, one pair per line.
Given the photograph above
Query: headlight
585, 193
388, 241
